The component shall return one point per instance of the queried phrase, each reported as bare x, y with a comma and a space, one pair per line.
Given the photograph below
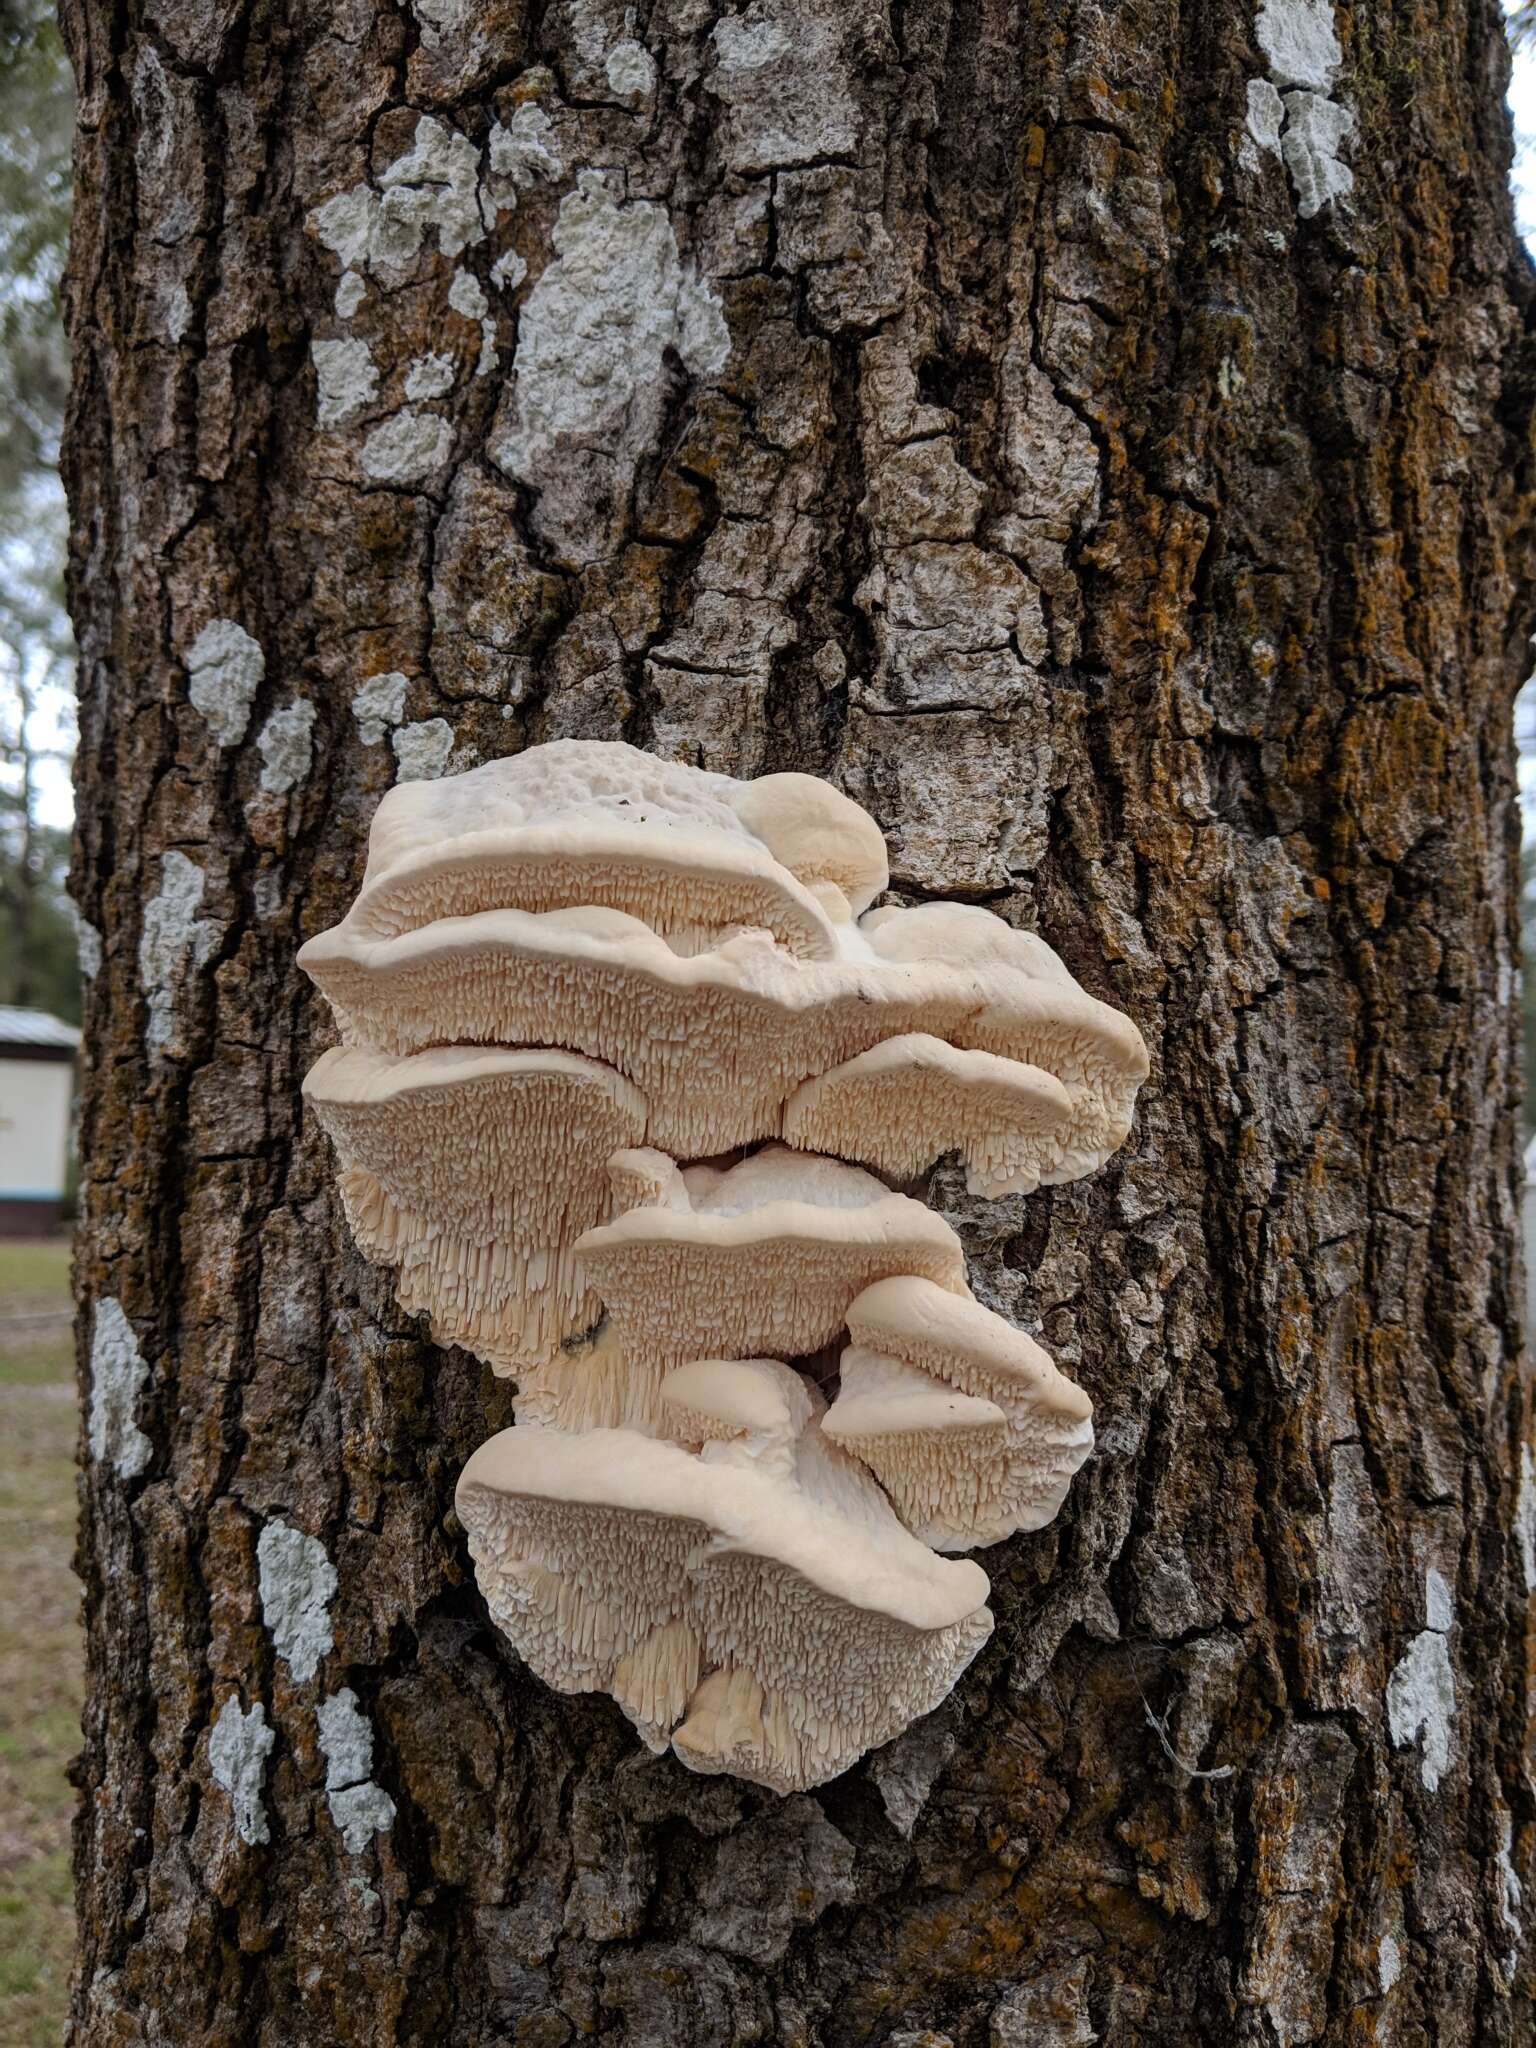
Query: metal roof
34, 1027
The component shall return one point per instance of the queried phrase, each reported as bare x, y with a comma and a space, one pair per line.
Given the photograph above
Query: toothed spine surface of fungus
625, 1054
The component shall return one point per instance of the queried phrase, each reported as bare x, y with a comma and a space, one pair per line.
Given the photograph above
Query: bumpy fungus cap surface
1032, 1011
746, 1411
590, 822
964, 1475
474, 1171
821, 836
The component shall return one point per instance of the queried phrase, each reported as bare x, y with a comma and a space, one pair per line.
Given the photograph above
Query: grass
34, 1273
40, 1657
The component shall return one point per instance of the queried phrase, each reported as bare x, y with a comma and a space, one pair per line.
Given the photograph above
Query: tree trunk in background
1134, 519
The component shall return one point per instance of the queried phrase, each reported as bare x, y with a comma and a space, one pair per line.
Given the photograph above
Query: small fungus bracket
627, 1067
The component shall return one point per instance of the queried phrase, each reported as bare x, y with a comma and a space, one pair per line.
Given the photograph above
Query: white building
37, 1080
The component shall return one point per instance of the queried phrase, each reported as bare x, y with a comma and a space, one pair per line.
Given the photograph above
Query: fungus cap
880, 1397
750, 1270
676, 1518
718, 1042
957, 1477
474, 1171
846, 1627
718, 1399
819, 834
909, 1100
963, 935
582, 821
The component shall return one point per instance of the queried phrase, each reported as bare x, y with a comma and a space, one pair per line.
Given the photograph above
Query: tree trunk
1096, 437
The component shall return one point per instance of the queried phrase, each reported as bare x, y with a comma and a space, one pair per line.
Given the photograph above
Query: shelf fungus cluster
628, 1070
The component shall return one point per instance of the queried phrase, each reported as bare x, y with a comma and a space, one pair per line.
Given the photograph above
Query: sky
53, 725
1522, 104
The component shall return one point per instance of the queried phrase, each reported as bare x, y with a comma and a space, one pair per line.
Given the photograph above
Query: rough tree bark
1096, 436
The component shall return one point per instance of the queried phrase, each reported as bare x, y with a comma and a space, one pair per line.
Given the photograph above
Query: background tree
38, 965
1097, 437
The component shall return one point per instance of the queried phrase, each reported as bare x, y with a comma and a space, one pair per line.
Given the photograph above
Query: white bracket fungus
614, 1034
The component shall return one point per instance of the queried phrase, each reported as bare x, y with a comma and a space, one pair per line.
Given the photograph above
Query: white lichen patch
521, 150
408, 447
783, 77
1316, 129
596, 326
443, 15
1511, 1891
466, 295
1290, 113
1300, 43
429, 376
379, 704
433, 188
1525, 1515
745, 45
346, 379
1439, 1604
360, 1812
350, 294
224, 670
630, 71
173, 939
435, 185
298, 1583
1266, 115
1421, 1693
359, 1807
286, 747
1389, 1962
346, 1740
88, 949
118, 1374
238, 1747
422, 750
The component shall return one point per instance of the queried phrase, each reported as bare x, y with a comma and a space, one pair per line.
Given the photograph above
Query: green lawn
39, 1640
34, 1272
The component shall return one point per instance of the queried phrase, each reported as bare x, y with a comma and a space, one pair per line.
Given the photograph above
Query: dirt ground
40, 1650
